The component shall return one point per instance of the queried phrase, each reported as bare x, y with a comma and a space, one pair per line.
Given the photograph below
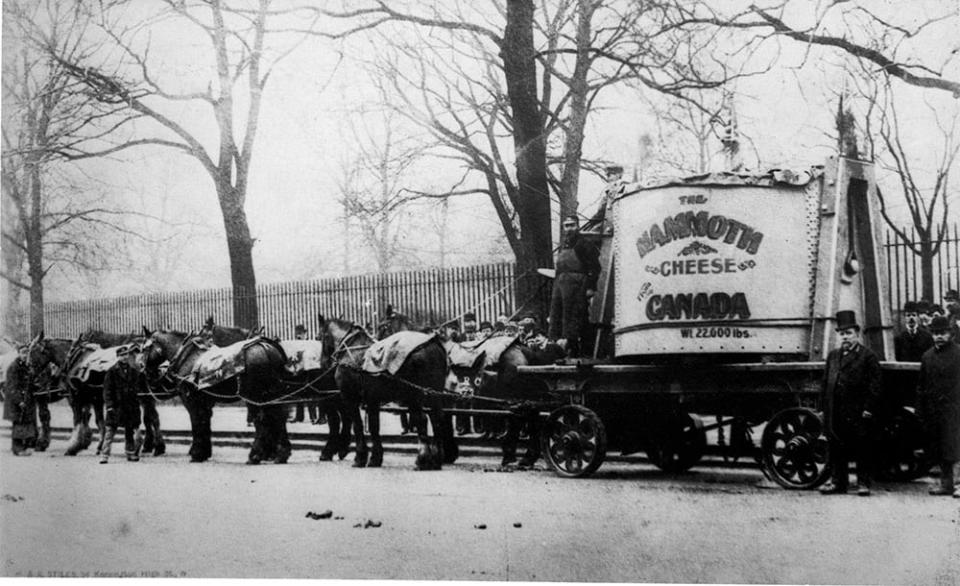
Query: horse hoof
508, 460
253, 462
342, 454
326, 457
375, 463
357, 464
160, 450
197, 460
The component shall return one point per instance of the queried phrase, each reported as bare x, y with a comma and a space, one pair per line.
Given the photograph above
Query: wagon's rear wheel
794, 449
680, 444
574, 441
902, 448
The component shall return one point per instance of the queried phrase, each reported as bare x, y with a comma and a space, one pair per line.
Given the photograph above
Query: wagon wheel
902, 448
681, 445
574, 441
794, 449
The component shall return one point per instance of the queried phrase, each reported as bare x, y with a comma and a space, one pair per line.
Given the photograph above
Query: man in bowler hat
910, 344
850, 397
938, 403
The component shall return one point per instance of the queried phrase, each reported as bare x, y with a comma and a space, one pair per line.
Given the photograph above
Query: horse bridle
343, 347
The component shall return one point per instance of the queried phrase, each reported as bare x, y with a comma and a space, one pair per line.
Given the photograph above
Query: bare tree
923, 178
49, 218
372, 188
580, 46
894, 41
237, 38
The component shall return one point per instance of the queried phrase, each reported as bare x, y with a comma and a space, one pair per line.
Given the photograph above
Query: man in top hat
938, 403
850, 397
121, 388
19, 406
577, 271
910, 344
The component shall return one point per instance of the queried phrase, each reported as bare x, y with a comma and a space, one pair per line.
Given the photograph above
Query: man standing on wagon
577, 271
850, 397
938, 403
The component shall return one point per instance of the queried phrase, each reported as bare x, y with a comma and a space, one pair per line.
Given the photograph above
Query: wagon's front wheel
574, 441
794, 448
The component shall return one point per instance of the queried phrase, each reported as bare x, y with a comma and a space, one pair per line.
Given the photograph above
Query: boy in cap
469, 327
850, 397
938, 403
121, 388
613, 188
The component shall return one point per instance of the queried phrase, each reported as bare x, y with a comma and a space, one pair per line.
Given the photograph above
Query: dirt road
167, 517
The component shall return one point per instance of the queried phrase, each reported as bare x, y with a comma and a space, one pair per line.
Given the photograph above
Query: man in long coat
121, 387
850, 397
19, 406
938, 403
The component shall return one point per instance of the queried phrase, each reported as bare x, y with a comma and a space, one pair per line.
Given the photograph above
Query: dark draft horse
46, 359
263, 361
86, 393
270, 417
503, 384
424, 369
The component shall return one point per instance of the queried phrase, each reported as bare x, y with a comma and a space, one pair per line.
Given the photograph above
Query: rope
474, 308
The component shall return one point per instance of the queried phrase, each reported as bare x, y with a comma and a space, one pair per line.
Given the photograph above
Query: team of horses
219, 364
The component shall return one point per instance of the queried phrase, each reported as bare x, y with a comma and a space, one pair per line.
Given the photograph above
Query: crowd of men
852, 394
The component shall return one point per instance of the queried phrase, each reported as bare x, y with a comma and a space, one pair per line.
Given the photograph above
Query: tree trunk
573, 148
533, 200
15, 319
246, 312
34, 241
926, 268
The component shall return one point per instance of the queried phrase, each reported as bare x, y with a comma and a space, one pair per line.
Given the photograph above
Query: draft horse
46, 359
257, 381
417, 384
493, 376
85, 387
